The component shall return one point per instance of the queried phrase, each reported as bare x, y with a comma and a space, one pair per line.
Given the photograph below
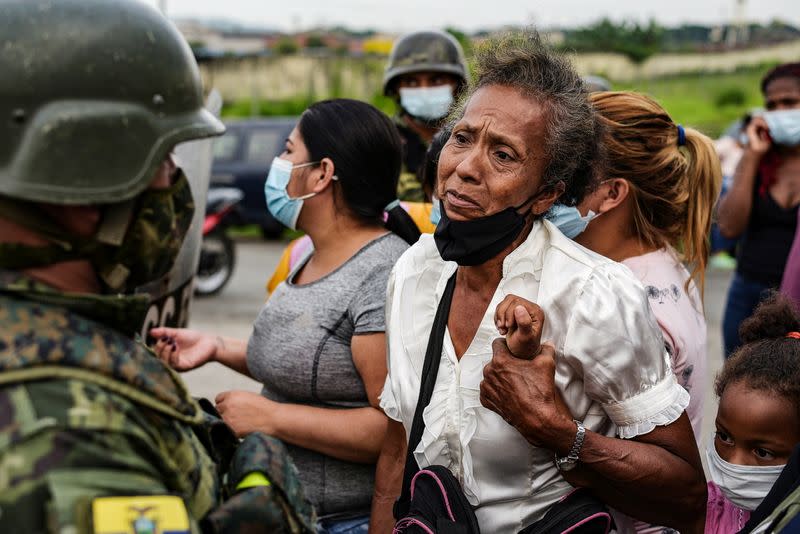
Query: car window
225, 147
264, 145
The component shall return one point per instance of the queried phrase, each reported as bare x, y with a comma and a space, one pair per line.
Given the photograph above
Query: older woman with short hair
524, 138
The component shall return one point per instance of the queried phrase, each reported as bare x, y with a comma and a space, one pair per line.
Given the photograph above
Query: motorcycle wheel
217, 259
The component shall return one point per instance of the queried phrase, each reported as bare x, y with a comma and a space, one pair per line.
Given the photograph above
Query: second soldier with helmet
425, 74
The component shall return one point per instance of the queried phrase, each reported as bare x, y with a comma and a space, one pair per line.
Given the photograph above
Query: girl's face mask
743, 485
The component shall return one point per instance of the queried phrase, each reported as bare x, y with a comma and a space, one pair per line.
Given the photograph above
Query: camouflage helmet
433, 51
93, 96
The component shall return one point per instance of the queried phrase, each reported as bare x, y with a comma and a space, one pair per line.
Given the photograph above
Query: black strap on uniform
430, 370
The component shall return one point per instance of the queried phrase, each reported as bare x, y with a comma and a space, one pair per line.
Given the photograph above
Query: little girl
758, 418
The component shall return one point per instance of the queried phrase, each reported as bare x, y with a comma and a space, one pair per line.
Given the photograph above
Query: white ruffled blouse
611, 367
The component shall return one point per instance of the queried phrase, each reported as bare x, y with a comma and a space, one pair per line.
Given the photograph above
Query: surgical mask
784, 126
284, 208
743, 485
436, 211
569, 220
427, 103
476, 241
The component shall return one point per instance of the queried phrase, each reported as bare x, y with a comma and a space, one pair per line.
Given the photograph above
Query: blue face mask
427, 103
284, 208
436, 211
784, 126
568, 219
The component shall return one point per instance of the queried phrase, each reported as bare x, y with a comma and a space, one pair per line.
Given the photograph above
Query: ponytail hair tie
681, 136
391, 205
793, 335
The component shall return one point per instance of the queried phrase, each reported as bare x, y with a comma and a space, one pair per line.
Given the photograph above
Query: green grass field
708, 102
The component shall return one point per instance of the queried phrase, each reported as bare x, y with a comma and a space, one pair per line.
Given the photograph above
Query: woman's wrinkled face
495, 156
755, 427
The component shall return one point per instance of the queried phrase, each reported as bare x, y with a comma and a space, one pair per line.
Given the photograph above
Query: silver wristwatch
569, 461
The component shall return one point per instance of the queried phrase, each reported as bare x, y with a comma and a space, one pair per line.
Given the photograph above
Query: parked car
241, 160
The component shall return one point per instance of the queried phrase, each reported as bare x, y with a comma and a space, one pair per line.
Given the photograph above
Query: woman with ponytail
318, 345
651, 210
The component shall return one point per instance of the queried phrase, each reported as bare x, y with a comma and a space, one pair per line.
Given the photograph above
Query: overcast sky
404, 15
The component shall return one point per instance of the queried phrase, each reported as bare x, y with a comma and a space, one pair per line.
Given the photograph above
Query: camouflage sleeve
65, 442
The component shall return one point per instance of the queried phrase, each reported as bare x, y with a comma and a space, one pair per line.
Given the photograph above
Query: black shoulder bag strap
430, 369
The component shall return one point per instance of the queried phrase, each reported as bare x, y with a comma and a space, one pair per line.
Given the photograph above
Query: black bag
432, 501
577, 513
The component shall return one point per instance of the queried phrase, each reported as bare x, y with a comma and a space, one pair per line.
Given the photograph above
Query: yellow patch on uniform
144, 514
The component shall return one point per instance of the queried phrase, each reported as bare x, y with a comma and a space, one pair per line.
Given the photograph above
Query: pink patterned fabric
680, 315
722, 516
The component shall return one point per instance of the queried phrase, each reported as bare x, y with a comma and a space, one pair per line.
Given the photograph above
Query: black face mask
476, 241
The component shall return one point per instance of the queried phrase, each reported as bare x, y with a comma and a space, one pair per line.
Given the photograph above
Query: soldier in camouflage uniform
425, 74
96, 433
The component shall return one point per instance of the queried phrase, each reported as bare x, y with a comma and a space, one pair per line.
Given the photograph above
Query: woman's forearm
349, 434
655, 478
734, 208
388, 479
232, 353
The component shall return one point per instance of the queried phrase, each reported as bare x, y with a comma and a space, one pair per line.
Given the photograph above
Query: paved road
232, 312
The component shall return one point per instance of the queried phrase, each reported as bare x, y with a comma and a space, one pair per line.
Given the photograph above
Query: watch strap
574, 453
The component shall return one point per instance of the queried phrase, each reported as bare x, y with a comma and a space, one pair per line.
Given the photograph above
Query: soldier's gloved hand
184, 349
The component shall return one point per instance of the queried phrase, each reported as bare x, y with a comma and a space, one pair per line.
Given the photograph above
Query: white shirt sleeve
615, 344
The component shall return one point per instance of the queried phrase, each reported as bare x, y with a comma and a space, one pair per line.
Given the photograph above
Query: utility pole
737, 32
162, 5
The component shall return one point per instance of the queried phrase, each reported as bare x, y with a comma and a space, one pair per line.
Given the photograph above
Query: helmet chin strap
116, 219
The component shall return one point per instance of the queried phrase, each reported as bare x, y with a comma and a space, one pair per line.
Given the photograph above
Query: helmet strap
116, 219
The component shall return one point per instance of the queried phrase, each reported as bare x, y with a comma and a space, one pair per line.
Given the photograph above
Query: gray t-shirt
300, 351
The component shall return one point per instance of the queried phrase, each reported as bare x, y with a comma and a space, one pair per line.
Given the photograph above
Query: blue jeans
743, 297
353, 525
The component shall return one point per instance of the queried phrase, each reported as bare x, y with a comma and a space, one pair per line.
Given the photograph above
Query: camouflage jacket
87, 412
409, 187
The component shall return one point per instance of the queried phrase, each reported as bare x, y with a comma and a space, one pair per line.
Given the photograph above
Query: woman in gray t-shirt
318, 345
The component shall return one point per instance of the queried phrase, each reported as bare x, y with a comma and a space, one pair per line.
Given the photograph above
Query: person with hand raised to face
762, 204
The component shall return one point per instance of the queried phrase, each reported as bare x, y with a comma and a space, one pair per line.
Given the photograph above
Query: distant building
220, 42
